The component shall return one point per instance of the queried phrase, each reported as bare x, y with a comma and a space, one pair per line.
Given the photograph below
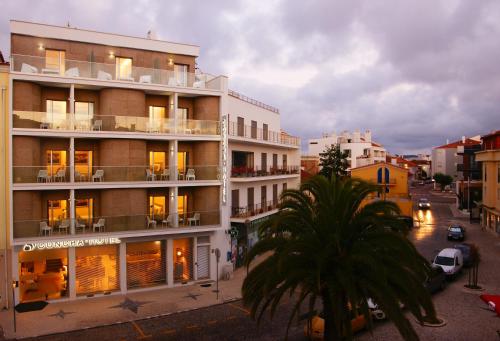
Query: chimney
368, 135
463, 139
356, 136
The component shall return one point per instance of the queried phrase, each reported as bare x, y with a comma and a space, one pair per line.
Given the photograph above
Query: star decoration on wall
61, 313
131, 305
193, 296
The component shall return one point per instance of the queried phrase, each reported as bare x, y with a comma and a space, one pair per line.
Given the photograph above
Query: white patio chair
72, 72
43, 176
45, 229
167, 222
104, 76
150, 176
63, 226
151, 222
165, 175
190, 174
99, 226
195, 219
80, 226
60, 175
97, 125
26, 68
145, 79
98, 176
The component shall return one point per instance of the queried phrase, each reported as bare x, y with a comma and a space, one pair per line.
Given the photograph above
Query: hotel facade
120, 163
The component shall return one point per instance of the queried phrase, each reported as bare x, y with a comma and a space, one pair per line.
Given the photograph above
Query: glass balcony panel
246, 131
40, 174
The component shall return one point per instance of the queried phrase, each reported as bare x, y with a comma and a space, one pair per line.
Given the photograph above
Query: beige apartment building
120, 164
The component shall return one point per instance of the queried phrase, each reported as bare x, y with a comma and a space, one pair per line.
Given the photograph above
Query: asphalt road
467, 320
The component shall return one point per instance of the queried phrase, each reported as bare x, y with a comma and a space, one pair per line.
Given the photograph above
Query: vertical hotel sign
224, 158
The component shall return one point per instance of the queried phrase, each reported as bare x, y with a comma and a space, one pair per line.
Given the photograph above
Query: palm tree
326, 245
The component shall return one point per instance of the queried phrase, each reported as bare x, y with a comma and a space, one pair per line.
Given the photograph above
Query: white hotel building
127, 166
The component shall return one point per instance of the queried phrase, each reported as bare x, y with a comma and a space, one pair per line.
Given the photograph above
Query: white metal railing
246, 131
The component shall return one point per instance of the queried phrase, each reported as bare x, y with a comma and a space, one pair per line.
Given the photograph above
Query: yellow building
393, 180
490, 158
4, 183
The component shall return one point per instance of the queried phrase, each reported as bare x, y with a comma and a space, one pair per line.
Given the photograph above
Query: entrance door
203, 254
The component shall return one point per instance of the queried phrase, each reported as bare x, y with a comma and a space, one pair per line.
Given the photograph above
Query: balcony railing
107, 72
110, 224
250, 132
252, 210
245, 172
41, 174
54, 121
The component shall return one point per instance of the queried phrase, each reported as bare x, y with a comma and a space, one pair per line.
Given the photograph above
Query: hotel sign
224, 158
61, 244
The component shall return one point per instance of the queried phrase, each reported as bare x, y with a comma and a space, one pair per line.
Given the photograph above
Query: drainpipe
7, 286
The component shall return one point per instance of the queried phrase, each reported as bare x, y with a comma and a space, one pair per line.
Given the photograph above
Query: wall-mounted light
40, 46
170, 61
111, 54
179, 252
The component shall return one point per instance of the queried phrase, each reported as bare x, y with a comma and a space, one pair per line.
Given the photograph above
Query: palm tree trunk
331, 333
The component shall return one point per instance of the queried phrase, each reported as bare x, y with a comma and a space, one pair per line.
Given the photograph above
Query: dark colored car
436, 280
424, 204
456, 232
466, 252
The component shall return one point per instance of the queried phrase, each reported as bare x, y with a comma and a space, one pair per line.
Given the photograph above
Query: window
313, 142
54, 62
241, 126
181, 115
157, 161
97, 269
485, 171
275, 162
254, 130
157, 208
284, 186
182, 162
263, 196
348, 152
57, 211
182, 201
56, 113
84, 210
156, 115
250, 201
123, 68
285, 162
180, 74
263, 162
275, 194
83, 164
146, 264
183, 260
265, 132
56, 160
84, 113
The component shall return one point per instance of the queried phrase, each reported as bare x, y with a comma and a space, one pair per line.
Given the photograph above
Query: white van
450, 260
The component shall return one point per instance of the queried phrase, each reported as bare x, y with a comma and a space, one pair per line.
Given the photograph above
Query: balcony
258, 134
112, 224
107, 72
107, 123
246, 172
100, 174
253, 210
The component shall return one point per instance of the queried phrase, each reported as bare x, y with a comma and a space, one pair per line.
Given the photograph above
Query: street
466, 315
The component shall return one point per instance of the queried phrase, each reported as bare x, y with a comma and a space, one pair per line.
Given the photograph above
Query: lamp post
15, 284
217, 259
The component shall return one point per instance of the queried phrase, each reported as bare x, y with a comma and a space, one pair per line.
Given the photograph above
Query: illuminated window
56, 160
84, 209
180, 72
181, 114
83, 164
58, 211
157, 161
54, 61
156, 114
56, 113
157, 207
182, 160
123, 68
182, 204
183, 259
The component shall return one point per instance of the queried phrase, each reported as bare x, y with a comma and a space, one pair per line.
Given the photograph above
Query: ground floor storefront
82, 268
491, 219
246, 237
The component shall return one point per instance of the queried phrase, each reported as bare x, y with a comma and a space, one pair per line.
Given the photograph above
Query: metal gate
203, 261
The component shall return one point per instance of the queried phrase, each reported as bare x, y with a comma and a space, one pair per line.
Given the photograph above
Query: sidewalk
92, 312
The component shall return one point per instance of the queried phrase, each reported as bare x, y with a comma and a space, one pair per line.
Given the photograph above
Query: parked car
317, 330
456, 232
450, 260
436, 280
466, 253
424, 204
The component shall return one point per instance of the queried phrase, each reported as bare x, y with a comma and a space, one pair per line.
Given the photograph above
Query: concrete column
170, 262
72, 159
72, 272
72, 105
172, 206
123, 267
72, 215
174, 104
173, 147
195, 258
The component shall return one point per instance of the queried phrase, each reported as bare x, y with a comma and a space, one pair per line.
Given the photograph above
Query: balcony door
56, 114
263, 197
83, 165
182, 201
182, 162
123, 68
156, 116
84, 114
57, 211
157, 162
157, 207
56, 160
180, 74
54, 62
250, 201
84, 211
235, 201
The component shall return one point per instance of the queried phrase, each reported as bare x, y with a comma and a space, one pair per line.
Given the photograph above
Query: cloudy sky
414, 72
